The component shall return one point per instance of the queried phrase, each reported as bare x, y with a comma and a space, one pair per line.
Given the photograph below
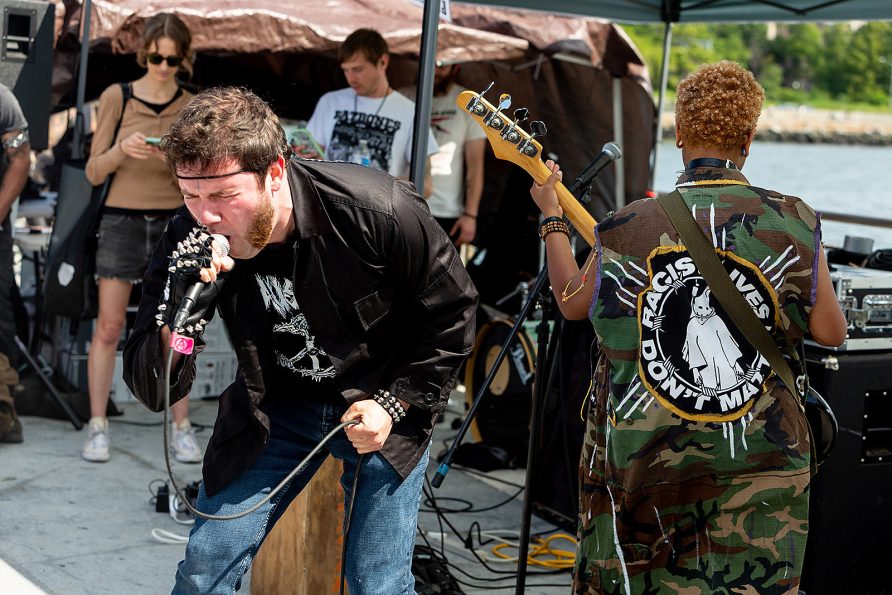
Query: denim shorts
126, 243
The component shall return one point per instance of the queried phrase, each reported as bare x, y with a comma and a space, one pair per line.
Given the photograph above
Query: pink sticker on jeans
182, 344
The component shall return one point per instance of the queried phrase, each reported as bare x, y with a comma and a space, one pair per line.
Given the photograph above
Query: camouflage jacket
696, 459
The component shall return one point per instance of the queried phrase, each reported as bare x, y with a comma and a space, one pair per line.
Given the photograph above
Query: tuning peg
493, 120
475, 105
510, 133
504, 101
537, 128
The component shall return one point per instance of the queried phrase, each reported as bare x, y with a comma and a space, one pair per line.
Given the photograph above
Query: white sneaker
184, 446
96, 447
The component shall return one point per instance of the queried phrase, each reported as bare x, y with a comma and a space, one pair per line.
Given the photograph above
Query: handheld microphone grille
222, 244
613, 150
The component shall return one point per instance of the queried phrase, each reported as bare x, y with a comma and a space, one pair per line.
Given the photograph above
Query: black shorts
126, 243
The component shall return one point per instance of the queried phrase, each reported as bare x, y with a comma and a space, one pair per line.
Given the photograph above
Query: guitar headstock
508, 140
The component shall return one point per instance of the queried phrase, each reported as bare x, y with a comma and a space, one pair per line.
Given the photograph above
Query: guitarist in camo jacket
694, 472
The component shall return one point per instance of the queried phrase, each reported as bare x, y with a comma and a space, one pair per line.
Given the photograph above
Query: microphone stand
547, 350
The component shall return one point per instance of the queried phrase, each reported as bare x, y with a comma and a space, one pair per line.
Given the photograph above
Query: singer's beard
262, 223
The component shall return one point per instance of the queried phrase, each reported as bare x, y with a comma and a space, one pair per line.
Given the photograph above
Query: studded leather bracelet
390, 404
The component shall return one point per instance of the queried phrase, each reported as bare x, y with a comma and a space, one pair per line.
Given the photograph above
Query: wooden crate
302, 554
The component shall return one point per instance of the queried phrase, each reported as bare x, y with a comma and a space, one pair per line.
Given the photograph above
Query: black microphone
610, 152
222, 245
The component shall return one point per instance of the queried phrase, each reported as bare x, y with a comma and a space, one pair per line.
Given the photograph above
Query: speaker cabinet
554, 492
26, 61
849, 547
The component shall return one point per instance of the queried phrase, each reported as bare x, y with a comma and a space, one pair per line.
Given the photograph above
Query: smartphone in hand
304, 144
153, 140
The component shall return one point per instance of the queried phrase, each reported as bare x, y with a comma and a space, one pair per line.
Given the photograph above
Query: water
849, 179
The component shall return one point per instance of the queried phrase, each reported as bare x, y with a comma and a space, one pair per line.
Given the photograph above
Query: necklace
380, 105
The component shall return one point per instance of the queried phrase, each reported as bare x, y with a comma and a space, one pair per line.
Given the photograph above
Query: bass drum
503, 418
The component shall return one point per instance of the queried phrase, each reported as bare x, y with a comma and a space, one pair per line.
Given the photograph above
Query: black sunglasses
172, 61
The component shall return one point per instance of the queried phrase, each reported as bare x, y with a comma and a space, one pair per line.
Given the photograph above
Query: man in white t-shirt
457, 168
368, 110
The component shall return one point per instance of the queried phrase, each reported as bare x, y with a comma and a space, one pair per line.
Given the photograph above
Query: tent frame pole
424, 92
664, 81
77, 141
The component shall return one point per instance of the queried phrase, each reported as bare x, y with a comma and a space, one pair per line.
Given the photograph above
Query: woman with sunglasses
142, 197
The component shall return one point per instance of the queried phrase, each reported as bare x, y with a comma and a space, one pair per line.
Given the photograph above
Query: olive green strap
709, 265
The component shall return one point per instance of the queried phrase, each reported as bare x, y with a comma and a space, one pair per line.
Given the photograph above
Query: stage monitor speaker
26, 61
555, 487
850, 516
503, 418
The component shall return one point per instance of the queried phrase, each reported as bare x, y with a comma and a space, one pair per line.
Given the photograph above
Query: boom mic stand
547, 350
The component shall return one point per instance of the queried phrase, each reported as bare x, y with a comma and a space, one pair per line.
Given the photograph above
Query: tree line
810, 63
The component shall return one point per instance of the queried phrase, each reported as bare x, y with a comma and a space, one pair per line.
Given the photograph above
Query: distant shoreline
808, 125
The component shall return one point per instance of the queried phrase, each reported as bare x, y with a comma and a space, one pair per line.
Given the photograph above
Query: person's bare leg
114, 295
180, 410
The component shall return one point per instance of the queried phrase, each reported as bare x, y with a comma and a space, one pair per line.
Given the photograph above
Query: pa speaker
850, 515
26, 61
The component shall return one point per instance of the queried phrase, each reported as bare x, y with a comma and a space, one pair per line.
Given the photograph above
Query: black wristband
548, 220
390, 404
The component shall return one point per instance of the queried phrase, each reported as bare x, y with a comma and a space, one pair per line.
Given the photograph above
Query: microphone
222, 245
610, 152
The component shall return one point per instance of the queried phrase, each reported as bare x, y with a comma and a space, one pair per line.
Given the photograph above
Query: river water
850, 179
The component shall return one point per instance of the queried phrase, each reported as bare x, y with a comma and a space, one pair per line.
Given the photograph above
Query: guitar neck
575, 212
510, 143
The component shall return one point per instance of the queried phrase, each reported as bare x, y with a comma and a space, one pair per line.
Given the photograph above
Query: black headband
209, 177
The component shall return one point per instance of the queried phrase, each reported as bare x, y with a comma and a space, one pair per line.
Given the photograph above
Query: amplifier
865, 296
851, 496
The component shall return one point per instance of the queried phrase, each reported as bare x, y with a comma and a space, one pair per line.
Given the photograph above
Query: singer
343, 299
695, 464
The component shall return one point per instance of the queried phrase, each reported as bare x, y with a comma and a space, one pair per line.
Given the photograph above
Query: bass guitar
511, 143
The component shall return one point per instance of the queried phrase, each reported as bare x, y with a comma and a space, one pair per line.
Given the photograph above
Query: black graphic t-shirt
299, 365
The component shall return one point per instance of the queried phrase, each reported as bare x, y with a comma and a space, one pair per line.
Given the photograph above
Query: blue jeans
382, 528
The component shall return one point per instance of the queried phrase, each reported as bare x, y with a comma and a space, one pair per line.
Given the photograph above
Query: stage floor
72, 527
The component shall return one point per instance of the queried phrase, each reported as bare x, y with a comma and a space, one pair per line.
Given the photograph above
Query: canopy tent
568, 71
712, 11
260, 27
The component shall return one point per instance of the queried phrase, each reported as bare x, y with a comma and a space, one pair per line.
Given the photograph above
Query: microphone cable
300, 467
229, 517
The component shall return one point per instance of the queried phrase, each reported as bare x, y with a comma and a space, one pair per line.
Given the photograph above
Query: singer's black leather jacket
381, 286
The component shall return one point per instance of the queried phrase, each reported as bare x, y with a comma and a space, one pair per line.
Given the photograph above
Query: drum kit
503, 417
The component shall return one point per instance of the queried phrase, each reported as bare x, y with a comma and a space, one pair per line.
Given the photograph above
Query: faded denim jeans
382, 528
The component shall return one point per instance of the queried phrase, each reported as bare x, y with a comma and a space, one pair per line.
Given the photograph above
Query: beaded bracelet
390, 404
550, 226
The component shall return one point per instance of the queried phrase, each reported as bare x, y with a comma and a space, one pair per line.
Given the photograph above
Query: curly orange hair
718, 105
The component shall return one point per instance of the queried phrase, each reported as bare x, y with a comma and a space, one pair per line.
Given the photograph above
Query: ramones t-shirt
342, 118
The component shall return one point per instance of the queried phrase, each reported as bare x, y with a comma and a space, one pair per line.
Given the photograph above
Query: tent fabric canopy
712, 11
476, 33
273, 26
